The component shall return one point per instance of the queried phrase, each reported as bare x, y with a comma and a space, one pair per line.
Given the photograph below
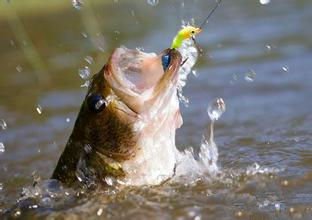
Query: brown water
264, 137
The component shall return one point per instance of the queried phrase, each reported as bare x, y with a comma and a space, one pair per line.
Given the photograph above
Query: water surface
264, 137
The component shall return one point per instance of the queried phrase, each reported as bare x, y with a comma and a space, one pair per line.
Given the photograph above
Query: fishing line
211, 12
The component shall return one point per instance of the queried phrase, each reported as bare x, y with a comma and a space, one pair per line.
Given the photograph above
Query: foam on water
206, 162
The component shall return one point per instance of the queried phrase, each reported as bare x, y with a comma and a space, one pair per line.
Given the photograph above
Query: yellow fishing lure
189, 31
185, 33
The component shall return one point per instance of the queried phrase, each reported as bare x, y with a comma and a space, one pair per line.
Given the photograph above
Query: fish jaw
152, 94
139, 79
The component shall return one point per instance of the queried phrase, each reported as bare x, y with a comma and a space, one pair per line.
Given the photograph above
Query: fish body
126, 125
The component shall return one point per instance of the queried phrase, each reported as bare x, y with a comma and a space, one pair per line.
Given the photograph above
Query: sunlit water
257, 57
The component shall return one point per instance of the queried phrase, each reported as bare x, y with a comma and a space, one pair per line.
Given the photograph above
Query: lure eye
96, 103
193, 32
165, 60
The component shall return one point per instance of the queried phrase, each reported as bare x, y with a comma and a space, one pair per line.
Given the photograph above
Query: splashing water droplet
19, 68
285, 68
216, 108
85, 35
277, 207
132, 13
77, 4
39, 109
99, 212
264, 2
86, 84
84, 72
89, 59
2, 147
153, 2
250, 76
109, 181
3, 124
268, 47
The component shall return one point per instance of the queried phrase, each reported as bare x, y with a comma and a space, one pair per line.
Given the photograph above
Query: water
153, 2
77, 4
84, 72
264, 138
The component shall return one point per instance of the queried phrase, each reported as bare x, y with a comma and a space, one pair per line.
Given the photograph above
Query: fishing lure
189, 31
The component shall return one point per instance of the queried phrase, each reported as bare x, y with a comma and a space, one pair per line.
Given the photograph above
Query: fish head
140, 79
127, 120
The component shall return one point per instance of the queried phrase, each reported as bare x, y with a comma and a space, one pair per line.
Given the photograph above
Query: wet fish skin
101, 141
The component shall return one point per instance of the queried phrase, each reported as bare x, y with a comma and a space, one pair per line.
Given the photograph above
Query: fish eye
165, 60
96, 103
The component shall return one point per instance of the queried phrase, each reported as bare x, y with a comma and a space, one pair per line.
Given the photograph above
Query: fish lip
172, 70
140, 101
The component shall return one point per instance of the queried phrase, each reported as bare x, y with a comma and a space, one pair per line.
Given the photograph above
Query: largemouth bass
126, 125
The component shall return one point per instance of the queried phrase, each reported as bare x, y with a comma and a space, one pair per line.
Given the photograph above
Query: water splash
264, 2
3, 124
206, 162
84, 72
19, 68
89, 59
2, 148
250, 76
153, 2
285, 68
215, 109
39, 109
189, 53
77, 4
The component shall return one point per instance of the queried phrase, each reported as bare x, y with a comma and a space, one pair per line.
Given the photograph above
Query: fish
126, 126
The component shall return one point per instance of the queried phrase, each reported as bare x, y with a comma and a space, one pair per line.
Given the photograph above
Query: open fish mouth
138, 77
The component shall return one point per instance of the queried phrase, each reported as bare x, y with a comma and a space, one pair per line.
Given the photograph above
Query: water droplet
12, 43
250, 76
108, 180
89, 59
285, 183
277, 206
264, 2
1, 186
153, 2
85, 35
17, 213
3, 124
268, 47
87, 148
2, 147
239, 214
99, 212
77, 4
285, 68
194, 72
67, 120
39, 109
84, 72
291, 209
132, 13
19, 68
86, 84
216, 108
